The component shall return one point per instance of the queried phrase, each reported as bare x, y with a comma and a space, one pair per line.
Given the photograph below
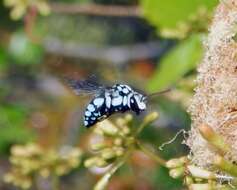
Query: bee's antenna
159, 92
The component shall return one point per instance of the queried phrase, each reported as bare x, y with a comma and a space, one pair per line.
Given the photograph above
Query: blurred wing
88, 86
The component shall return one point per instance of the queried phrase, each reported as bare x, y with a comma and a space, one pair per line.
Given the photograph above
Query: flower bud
100, 162
213, 138
200, 173
108, 154
177, 172
176, 162
126, 131
98, 146
108, 128
119, 151
90, 162
120, 122
188, 180
118, 141
128, 118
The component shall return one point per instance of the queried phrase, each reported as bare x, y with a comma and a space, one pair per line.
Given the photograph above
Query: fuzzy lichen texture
215, 99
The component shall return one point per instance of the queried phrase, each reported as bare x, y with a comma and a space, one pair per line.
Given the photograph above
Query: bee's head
138, 102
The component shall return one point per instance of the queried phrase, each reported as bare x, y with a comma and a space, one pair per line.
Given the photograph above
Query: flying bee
109, 100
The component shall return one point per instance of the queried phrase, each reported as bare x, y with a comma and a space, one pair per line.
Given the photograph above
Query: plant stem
154, 156
102, 183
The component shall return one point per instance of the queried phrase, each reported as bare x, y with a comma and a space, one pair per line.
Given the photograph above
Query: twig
98, 10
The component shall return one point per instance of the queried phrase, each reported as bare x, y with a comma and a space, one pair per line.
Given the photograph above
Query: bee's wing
86, 87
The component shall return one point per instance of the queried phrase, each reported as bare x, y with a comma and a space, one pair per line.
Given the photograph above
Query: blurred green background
149, 44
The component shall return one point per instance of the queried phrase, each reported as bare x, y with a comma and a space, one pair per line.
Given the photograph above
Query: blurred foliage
3, 58
180, 60
12, 121
98, 32
23, 51
176, 18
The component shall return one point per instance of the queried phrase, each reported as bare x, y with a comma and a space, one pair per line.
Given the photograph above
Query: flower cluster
115, 140
31, 160
196, 178
20, 7
113, 143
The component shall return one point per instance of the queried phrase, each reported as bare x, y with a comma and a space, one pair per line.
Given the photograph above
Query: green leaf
168, 14
181, 59
23, 51
3, 59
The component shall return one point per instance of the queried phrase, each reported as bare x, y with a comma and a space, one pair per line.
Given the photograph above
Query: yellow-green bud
43, 7
108, 154
119, 151
90, 162
177, 172
176, 162
120, 122
118, 141
188, 180
100, 162
126, 131
18, 11
128, 118
108, 128
98, 146
213, 138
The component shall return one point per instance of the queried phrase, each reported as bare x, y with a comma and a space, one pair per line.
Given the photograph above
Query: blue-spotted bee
109, 100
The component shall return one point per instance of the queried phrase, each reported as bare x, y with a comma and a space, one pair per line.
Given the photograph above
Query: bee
108, 100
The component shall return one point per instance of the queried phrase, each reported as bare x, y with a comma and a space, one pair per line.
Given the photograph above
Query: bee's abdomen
103, 106
95, 111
